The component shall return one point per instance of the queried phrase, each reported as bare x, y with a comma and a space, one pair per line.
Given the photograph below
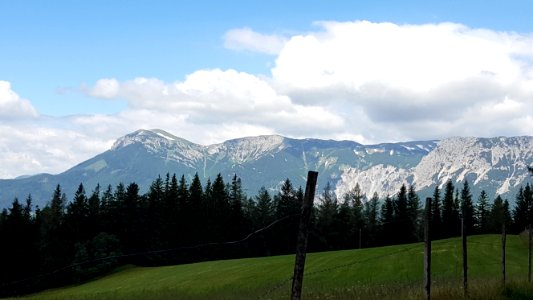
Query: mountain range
497, 165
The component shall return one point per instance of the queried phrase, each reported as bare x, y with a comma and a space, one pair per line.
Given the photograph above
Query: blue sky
213, 70
50, 47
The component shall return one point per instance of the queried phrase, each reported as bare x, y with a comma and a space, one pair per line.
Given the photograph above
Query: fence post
529, 253
303, 230
465, 257
504, 237
427, 249
360, 232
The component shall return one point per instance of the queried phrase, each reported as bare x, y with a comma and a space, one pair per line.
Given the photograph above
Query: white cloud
105, 88
41, 148
371, 82
217, 98
249, 40
11, 105
407, 82
413, 57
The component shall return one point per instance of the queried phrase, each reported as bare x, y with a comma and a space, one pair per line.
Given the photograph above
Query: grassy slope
346, 274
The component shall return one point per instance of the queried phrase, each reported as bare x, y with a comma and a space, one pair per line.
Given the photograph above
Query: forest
176, 221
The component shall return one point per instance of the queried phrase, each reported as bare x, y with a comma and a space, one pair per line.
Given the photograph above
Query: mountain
494, 164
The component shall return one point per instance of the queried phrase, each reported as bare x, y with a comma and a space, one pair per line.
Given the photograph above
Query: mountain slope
497, 165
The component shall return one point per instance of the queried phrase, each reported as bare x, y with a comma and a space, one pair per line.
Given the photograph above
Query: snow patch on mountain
247, 149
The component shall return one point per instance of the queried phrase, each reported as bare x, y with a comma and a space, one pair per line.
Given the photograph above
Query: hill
375, 273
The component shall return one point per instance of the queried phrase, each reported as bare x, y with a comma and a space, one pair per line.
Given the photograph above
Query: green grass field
394, 272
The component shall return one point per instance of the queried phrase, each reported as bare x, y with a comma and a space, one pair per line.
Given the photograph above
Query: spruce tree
449, 221
236, 199
193, 214
413, 208
371, 220
286, 205
387, 221
436, 219
498, 215
326, 217
521, 212
403, 229
467, 208
482, 213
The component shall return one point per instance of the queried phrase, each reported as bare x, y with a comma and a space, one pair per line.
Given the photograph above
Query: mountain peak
153, 138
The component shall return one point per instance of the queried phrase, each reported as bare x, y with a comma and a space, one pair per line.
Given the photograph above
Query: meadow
392, 272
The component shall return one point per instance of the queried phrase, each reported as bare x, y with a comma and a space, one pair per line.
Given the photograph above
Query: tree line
178, 221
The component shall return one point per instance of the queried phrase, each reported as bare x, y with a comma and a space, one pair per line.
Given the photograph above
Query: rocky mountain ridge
497, 165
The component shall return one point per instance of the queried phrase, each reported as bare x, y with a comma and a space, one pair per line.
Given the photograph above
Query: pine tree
413, 208
467, 208
499, 214
355, 198
77, 216
403, 229
521, 212
52, 232
220, 209
436, 219
286, 205
236, 199
155, 215
326, 216
388, 222
264, 213
482, 213
371, 220
196, 230
345, 226
449, 221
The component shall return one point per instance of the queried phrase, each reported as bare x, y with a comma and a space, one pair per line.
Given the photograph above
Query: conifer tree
77, 217
52, 232
287, 204
371, 219
193, 213
499, 214
403, 229
467, 208
436, 219
326, 217
388, 222
220, 209
236, 199
522, 210
413, 207
482, 213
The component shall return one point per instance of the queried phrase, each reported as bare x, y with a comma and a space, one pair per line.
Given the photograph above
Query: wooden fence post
427, 249
360, 233
529, 253
303, 230
465, 257
504, 237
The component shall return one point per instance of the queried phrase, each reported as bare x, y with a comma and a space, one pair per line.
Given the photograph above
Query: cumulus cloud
369, 82
42, 148
412, 81
219, 97
413, 57
11, 105
249, 40
105, 88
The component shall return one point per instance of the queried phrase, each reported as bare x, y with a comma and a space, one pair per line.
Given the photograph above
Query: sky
77, 75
